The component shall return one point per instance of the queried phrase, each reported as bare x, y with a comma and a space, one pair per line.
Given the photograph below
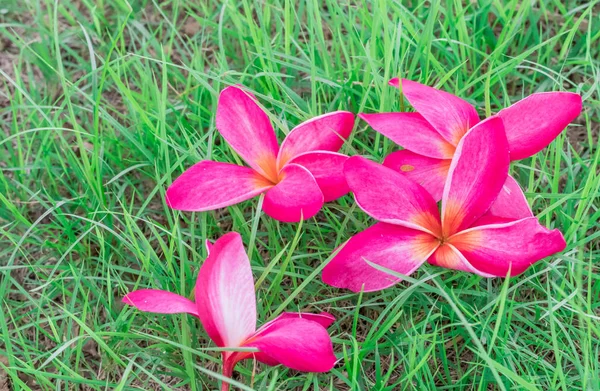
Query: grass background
103, 103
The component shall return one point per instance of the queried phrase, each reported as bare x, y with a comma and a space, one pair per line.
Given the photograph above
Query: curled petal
297, 343
477, 174
411, 131
394, 247
451, 116
428, 172
297, 196
496, 249
324, 319
225, 293
532, 123
390, 197
211, 185
246, 127
328, 170
326, 132
160, 302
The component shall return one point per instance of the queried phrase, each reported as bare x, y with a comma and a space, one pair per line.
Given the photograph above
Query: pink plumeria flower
480, 229
226, 306
298, 177
430, 136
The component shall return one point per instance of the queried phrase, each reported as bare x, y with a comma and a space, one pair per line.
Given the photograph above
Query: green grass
104, 103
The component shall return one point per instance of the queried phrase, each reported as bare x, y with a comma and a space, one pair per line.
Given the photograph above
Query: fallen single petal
428, 172
411, 131
394, 247
246, 127
450, 115
225, 293
328, 170
495, 249
391, 197
297, 343
477, 174
326, 132
297, 196
211, 185
532, 123
160, 302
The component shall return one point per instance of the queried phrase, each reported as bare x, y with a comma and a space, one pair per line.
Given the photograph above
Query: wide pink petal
297, 343
477, 173
246, 127
326, 132
428, 172
411, 131
225, 293
451, 116
211, 185
328, 170
160, 302
389, 196
449, 257
297, 196
394, 247
495, 249
511, 203
532, 123
323, 318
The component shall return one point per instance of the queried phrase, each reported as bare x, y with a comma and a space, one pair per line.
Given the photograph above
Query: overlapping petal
532, 123
449, 257
477, 173
514, 246
511, 203
297, 195
246, 127
411, 131
390, 197
160, 302
428, 172
225, 293
211, 185
394, 247
451, 116
297, 343
326, 132
328, 170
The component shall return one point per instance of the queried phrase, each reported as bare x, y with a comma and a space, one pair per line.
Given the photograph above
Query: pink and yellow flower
225, 304
485, 225
297, 177
431, 135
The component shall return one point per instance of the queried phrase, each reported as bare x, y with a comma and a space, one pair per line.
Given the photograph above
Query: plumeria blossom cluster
483, 224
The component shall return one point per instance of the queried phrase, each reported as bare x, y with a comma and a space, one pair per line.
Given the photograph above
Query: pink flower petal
211, 185
411, 131
427, 172
448, 256
451, 116
511, 203
297, 343
160, 302
323, 133
516, 245
390, 197
246, 127
297, 196
328, 170
532, 123
477, 174
324, 319
391, 246
225, 293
